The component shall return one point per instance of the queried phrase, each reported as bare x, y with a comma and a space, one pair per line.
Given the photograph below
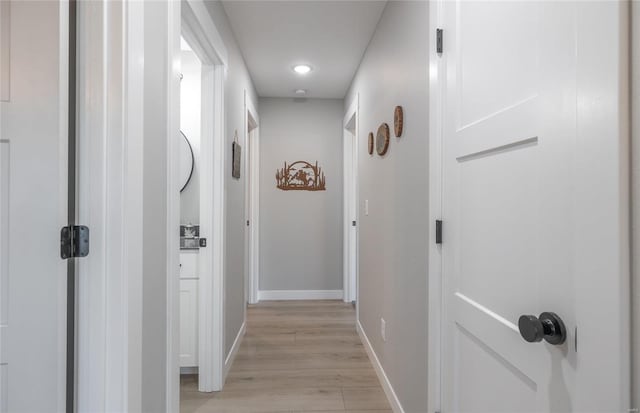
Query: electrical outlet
366, 207
383, 329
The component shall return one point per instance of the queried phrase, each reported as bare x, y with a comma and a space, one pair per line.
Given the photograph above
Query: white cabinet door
189, 263
535, 208
188, 323
33, 206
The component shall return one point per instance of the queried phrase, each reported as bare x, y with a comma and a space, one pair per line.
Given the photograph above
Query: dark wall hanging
371, 144
398, 121
382, 139
300, 176
236, 151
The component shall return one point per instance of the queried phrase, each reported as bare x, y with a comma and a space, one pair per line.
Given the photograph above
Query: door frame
436, 90
252, 193
350, 177
199, 30
613, 119
110, 142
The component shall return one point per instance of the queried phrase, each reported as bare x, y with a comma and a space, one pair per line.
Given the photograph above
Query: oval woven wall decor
382, 139
398, 121
371, 143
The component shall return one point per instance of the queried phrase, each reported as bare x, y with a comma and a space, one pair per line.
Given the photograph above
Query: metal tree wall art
301, 176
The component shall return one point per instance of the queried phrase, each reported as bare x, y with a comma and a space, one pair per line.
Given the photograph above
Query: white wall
190, 115
301, 231
394, 236
238, 80
635, 191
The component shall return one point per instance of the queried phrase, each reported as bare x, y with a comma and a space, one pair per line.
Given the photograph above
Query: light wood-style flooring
297, 356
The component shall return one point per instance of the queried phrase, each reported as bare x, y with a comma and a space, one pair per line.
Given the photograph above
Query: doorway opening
350, 199
189, 184
252, 193
196, 319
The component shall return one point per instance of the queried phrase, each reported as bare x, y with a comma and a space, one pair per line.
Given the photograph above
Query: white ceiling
330, 36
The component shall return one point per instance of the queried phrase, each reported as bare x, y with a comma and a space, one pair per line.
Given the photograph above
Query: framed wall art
236, 156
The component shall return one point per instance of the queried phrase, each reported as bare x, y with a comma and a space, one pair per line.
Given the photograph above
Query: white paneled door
33, 206
534, 146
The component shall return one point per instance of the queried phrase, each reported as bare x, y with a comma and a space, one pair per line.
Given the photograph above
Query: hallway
296, 356
193, 194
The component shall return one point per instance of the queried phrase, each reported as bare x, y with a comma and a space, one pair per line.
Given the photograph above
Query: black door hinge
248, 222
438, 231
353, 223
74, 241
439, 41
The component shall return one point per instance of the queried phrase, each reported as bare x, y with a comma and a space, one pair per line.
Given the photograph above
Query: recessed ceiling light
302, 69
301, 92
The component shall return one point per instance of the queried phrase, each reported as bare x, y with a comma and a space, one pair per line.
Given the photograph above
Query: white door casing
534, 204
33, 205
110, 190
4, 271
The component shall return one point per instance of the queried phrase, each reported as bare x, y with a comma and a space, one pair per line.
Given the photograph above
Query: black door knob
548, 326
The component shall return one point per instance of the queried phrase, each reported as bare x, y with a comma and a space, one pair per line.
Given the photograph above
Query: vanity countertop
189, 243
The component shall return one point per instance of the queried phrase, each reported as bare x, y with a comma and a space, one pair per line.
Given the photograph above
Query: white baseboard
300, 295
234, 351
382, 376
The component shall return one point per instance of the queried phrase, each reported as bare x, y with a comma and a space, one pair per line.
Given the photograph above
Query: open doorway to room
196, 341
189, 184
252, 191
350, 199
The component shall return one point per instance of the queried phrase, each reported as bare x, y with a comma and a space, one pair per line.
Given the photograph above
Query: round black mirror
187, 161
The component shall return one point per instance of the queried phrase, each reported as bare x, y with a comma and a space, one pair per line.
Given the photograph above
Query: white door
33, 206
534, 206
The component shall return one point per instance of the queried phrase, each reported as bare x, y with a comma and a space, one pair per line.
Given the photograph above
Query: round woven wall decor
382, 139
